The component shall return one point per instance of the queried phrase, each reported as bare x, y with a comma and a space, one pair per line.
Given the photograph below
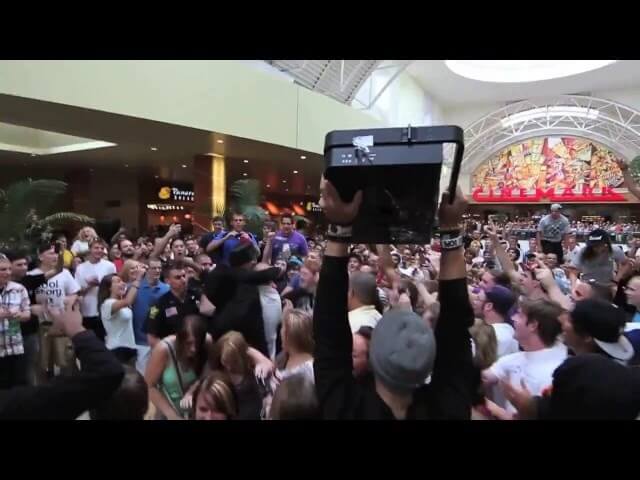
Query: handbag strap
174, 359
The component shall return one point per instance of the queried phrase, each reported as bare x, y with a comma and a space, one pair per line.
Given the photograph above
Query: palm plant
25, 212
244, 197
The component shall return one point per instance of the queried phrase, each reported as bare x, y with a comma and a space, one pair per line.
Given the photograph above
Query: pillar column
210, 188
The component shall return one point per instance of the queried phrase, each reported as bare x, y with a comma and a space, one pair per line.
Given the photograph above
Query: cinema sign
523, 195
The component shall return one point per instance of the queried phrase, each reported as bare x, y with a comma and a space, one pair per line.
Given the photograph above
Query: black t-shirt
166, 315
31, 283
301, 299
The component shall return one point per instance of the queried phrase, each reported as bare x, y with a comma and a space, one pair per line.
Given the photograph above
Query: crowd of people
480, 323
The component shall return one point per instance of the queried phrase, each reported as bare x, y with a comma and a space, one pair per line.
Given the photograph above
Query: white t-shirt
119, 326
536, 368
271, 315
86, 270
571, 254
366, 316
79, 247
506, 343
56, 289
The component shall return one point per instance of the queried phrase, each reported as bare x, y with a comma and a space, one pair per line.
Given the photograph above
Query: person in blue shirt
151, 289
230, 240
206, 242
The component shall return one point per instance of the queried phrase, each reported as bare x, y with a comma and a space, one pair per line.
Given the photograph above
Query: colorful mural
550, 162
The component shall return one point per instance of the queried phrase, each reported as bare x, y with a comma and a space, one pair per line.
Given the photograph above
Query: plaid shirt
13, 297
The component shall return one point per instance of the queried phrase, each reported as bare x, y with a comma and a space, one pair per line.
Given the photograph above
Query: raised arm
333, 363
453, 373
629, 182
217, 243
268, 248
130, 297
161, 243
66, 397
545, 277
114, 239
501, 253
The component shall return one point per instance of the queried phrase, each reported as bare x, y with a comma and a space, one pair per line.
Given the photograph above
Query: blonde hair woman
231, 354
83, 239
296, 357
214, 398
129, 269
297, 344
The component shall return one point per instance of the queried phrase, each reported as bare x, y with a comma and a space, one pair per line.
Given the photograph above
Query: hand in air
335, 209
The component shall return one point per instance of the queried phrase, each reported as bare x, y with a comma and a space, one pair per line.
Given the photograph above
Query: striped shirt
15, 299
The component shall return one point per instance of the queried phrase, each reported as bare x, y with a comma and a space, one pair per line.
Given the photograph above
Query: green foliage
244, 197
24, 206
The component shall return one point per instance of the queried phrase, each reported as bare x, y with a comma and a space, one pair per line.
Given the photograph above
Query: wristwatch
340, 233
451, 241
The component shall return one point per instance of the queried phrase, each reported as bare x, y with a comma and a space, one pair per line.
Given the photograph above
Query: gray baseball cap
403, 350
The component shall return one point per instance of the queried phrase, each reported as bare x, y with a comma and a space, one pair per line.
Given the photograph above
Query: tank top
171, 380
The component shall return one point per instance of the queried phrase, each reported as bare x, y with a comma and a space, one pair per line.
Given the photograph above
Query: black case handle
446, 134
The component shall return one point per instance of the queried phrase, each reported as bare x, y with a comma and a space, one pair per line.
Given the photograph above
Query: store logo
516, 195
173, 193
164, 193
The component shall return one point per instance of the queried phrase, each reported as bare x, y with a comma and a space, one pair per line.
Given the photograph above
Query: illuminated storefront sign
313, 207
177, 194
554, 169
513, 195
163, 207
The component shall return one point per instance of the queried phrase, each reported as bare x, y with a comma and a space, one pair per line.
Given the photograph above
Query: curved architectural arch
612, 124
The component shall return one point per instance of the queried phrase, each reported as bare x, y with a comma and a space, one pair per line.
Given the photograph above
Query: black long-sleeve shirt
448, 395
65, 398
241, 310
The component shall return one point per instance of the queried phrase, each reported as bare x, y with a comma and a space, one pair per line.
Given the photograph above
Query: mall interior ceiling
36, 134
55, 136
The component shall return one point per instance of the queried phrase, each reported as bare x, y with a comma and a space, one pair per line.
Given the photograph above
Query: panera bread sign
177, 194
566, 195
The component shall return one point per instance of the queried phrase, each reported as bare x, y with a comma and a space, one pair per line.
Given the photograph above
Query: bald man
363, 298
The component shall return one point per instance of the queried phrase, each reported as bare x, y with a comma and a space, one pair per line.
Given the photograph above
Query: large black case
398, 170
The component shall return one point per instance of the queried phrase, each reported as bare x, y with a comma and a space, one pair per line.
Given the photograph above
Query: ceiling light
154, 149
286, 189
284, 181
519, 71
295, 171
546, 112
184, 166
220, 141
126, 165
302, 157
245, 161
268, 186
156, 176
244, 174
